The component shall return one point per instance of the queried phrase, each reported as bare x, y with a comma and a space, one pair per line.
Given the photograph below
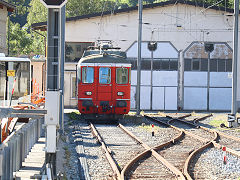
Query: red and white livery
104, 83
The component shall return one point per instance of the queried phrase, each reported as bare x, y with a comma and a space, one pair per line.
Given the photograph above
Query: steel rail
201, 118
193, 123
229, 150
107, 152
216, 133
172, 168
212, 142
191, 156
194, 153
180, 117
228, 136
140, 156
132, 162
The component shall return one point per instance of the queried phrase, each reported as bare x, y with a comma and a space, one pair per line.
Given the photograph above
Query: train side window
104, 75
87, 74
130, 76
122, 75
78, 74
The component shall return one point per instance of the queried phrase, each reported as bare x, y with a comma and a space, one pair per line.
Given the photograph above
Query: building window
187, 65
213, 65
134, 64
216, 65
146, 64
173, 64
74, 87
74, 50
228, 65
221, 65
158, 64
204, 65
165, 64
195, 64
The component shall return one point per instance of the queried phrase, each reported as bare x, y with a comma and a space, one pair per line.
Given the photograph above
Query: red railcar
104, 83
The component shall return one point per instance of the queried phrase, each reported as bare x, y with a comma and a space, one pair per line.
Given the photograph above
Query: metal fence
16, 147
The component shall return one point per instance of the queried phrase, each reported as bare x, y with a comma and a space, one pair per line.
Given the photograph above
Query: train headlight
120, 93
88, 93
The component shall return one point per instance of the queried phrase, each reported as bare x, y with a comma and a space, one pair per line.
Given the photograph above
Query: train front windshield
15, 81
104, 75
87, 74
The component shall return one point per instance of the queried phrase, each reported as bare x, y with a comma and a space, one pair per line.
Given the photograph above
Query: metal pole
0, 131
151, 80
235, 58
61, 65
139, 55
208, 81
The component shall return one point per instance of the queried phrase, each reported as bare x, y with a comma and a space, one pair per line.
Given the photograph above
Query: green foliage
83, 7
32, 11
20, 14
36, 12
19, 40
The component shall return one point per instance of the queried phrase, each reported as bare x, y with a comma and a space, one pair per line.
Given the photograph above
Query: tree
37, 12
19, 40
21, 12
83, 7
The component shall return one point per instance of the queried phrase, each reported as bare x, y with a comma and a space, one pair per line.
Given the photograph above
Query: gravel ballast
210, 165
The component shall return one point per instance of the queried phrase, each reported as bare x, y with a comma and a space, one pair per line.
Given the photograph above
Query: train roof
13, 59
108, 51
105, 57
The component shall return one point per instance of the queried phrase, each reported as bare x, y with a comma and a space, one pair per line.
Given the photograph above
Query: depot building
191, 67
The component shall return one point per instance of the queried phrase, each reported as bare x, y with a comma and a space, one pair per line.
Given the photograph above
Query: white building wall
70, 72
122, 27
179, 24
3, 31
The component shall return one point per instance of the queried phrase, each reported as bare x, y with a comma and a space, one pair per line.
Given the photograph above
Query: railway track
214, 138
129, 157
176, 151
223, 140
173, 154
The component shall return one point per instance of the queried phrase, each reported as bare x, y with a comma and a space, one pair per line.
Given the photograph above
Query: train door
105, 88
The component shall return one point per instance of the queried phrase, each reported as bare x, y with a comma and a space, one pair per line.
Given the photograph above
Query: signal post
55, 77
